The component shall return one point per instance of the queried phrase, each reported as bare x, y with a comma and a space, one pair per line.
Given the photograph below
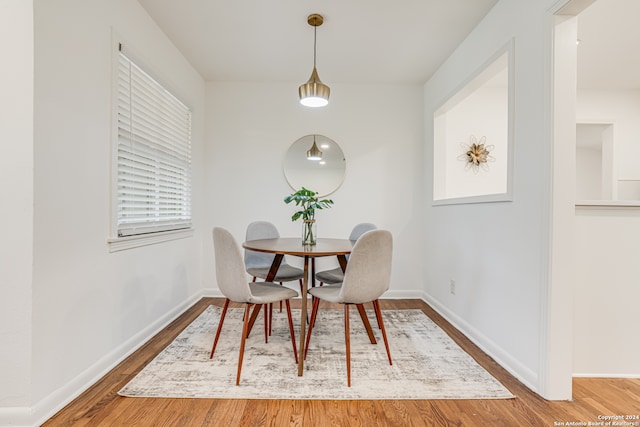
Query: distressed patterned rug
427, 364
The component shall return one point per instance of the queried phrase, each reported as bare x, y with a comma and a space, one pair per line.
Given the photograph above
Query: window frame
130, 239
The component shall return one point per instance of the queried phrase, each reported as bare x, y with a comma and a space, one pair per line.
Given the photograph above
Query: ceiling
372, 41
360, 41
608, 53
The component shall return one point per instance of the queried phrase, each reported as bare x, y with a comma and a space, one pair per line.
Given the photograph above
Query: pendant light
314, 93
314, 152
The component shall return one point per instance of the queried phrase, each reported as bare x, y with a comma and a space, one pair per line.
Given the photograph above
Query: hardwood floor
592, 398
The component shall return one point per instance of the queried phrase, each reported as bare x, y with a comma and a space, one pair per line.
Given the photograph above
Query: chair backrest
360, 229
369, 268
255, 231
230, 270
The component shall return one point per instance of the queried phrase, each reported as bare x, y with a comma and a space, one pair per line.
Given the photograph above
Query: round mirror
316, 163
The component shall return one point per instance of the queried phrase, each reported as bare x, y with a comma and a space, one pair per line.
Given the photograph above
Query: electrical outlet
452, 287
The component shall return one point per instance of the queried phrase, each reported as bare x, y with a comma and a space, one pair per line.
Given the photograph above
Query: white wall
607, 292
484, 113
90, 306
499, 253
622, 108
249, 130
16, 194
607, 252
588, 173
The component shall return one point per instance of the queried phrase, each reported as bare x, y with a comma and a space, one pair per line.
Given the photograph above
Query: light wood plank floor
101, 406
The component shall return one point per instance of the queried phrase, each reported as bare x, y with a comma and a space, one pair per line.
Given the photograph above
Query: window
153, 156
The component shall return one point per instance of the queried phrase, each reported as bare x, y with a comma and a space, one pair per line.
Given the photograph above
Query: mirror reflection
316, 163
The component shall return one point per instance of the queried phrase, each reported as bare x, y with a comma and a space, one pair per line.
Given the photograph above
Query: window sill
486, 198
130, 242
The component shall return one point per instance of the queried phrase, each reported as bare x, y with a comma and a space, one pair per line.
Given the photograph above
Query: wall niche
473, 136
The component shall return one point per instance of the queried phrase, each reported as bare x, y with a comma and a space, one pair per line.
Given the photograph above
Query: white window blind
154, 155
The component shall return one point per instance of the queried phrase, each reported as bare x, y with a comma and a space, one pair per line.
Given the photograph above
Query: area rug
427, 364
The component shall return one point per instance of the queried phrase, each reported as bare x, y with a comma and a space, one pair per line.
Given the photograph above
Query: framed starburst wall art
477, 154
472, 158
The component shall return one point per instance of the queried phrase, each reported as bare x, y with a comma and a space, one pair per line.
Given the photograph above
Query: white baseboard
525, 375
617, 375
390, 294
47, 407
212, 293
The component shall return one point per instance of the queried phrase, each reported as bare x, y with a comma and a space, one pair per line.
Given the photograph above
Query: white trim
406, 294
607, 204
522, 373
113, 166
601, 375
485, 198
136, 241
141, 168
556, 337
47, 407
215, 293
546, 208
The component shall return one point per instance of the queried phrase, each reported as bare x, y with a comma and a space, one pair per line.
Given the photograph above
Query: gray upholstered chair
232, 282
365, 280
259, 263
334, 276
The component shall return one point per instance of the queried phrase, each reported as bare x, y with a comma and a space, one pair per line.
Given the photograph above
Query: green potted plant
308, 202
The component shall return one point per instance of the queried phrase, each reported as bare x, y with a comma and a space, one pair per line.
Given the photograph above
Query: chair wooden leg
270, 318
347, 342
254, 316
215, 341
314, 312
365, 322
266, 323
379, 319
245, 332
293, 335
376, 306
280, 301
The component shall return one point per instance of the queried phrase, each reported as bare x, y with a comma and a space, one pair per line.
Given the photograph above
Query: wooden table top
294, 246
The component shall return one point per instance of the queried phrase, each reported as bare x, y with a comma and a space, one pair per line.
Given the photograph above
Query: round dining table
280, 247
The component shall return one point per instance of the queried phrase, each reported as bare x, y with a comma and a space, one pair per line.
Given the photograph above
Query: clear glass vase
309, 232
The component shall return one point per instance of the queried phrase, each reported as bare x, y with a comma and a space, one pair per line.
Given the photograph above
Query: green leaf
308, 201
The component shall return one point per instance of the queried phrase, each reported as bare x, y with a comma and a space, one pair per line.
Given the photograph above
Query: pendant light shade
314, 93
314, 152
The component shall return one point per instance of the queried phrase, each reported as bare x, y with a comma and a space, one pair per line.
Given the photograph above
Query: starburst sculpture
476, 154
